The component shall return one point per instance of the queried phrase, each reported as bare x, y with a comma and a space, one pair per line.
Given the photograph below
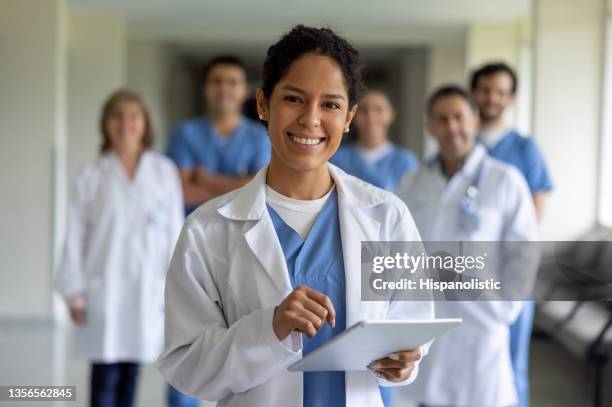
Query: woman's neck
372, 143
225, 124
302, 185
129, 161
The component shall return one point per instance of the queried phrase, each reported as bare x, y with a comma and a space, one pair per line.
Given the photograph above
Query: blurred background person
66, 56
373, 157
494, 88
462, 194
221, 150
123, 220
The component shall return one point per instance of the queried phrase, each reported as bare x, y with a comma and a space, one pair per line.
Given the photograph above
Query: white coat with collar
470, 365
228, 274
120, 236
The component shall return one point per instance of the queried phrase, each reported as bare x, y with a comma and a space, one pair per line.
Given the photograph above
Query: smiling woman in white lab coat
124, 217
271, 270
465, 195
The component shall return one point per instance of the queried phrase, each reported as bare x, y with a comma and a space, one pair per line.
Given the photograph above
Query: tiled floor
35, 353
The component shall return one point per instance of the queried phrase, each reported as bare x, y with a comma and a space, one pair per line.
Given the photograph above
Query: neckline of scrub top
380, 159
491, 138
294, 246
508, 139
218, 138
379, 152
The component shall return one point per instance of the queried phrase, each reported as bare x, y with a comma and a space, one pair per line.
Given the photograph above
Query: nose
310, 117
453, 126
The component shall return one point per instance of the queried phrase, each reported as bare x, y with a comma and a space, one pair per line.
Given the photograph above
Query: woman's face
307, 113
373, 118
126, 127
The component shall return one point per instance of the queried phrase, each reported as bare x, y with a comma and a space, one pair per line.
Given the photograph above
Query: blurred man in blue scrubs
221, 150
493, 88
373, 158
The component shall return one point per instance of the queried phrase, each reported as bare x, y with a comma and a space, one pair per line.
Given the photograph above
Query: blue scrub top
524, 154
318, 263
196, 142
384, 173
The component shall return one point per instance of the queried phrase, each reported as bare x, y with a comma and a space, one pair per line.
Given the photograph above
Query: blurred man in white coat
462, 194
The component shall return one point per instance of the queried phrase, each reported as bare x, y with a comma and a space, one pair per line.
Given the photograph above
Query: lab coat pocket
157, 213
156, 219
490, 223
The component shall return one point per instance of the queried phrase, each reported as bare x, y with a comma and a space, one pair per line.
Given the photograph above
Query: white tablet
367, 341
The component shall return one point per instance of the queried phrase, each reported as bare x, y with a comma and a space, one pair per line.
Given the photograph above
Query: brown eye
292, 99
330, 105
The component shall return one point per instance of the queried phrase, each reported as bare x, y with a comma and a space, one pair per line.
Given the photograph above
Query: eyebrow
302, 92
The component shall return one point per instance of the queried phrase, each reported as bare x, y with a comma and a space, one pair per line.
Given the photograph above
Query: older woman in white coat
123, 220
270, 271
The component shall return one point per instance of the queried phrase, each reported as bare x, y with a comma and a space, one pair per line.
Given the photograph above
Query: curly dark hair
302, 40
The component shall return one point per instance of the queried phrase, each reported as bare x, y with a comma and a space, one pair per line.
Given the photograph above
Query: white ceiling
257, 21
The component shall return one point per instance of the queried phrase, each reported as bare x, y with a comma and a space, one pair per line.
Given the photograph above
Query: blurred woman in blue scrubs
373, 158
123, 220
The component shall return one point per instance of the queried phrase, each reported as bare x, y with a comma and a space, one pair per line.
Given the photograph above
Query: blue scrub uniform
384, 173
317, 262
197, 143
523, 153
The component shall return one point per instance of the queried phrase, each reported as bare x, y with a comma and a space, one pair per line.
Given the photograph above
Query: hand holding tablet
368, 341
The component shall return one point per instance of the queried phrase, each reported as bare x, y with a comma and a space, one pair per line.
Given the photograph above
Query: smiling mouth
307, 141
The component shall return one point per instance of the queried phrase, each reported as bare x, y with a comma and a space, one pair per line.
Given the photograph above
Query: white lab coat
228, 274
470, 365
120, 236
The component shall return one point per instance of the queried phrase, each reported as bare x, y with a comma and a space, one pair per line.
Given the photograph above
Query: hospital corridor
366, 204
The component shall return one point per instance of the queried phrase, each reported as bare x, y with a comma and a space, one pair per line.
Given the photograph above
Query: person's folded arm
194, 193
219, 184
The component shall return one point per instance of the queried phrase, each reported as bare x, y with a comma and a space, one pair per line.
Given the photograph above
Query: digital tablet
366, 341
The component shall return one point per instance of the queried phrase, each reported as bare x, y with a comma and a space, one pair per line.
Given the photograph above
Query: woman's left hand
397, 366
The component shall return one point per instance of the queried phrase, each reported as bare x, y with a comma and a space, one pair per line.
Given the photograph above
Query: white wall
492, 41
96, 67
446, 64
605, 180
569, 58
31, 135
148, 70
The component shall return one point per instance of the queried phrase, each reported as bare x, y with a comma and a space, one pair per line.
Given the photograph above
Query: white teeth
308, 141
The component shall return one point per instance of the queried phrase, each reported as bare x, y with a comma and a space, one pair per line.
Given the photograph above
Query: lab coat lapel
249, 204
264, 244
355, 226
